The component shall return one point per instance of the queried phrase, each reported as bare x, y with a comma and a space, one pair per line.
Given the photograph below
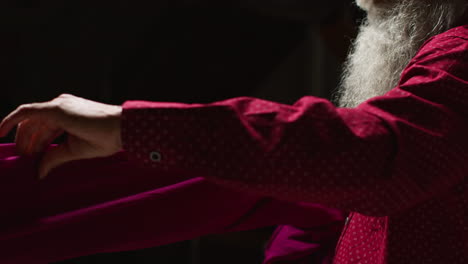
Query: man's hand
93, 130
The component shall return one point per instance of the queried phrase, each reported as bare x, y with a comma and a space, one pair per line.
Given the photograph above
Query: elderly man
394, 153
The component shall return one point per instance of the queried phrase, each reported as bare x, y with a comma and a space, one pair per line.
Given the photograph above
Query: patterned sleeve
386, 155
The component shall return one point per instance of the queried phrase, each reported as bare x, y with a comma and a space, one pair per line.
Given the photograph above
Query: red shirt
112, 204
398, 161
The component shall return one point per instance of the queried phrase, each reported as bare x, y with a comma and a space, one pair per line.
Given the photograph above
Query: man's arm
384, 156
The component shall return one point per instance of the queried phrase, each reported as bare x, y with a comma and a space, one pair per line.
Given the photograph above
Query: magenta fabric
293, 245
114, 204
397, 161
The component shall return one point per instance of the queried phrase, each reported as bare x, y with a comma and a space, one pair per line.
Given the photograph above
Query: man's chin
364, 4
369, 5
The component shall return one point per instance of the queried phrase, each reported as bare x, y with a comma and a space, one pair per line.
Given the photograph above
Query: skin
365, 4
368, 4
371, 6
93, 130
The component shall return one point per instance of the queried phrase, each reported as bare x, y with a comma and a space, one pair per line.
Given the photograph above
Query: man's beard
387, 41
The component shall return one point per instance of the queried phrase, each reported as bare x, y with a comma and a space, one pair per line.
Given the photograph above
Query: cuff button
155, 156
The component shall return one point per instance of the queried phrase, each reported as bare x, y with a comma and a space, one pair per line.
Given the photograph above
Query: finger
23, 136
30, 135
43, 138
73, 149
18, 115
53, 158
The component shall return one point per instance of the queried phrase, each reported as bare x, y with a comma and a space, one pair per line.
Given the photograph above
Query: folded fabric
115, 204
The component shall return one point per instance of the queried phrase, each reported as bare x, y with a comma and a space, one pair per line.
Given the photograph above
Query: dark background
187, 51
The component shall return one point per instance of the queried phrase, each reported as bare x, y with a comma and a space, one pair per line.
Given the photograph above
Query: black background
186, 51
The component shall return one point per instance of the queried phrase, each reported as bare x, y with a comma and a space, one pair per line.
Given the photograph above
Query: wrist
116, 120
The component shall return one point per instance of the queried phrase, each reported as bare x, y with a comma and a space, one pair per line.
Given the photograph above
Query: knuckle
64, 95
57, 103
24, 107
61, 100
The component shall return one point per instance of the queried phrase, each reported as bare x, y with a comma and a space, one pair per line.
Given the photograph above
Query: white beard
387, 41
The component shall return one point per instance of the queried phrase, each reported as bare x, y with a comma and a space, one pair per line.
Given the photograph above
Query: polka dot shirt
398, 162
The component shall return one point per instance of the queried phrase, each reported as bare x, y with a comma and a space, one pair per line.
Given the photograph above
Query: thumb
54, 157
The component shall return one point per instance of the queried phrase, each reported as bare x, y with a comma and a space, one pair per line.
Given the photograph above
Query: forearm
300, 153
355, 159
